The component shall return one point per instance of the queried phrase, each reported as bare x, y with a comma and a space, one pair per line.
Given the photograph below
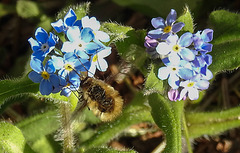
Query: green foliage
212, 123
187, 19
135, 113
155, 8
115, 31
39, 125
27, 9
168, 117
17, 87
226, 42
11, 139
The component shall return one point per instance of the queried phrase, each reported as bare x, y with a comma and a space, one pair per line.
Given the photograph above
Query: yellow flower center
176, 48
190, 84
45, 75
95, 58
167, 29
174, 69
80, 45
68, 67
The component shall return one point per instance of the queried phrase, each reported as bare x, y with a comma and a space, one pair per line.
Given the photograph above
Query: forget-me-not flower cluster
185, 57
58, 65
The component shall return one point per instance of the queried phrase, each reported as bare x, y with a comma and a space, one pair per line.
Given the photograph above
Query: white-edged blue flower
94, 24
174, 70
98, 61
44, 75
165, 28
191, 87
175, 46
69, 20
43, 45
80, 42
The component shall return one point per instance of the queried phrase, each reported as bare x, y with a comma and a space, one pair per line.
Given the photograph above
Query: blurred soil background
223, 93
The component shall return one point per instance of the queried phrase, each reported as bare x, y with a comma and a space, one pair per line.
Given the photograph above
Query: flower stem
185, 131
66, 133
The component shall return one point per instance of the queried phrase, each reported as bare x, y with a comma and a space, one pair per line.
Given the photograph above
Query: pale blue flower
175, 46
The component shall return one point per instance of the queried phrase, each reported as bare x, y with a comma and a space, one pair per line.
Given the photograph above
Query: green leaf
212, 123
226, 44
11, 139
107, 150
153, 83
133, 114
156, 8
27, 9
167, 115
187, 19
46, 144
39, 125
225, 25
17, 87
115, 31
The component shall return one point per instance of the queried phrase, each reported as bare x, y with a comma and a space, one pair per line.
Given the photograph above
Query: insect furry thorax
102, 99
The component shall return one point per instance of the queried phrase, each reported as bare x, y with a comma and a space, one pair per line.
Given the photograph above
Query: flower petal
177, 27
45, 87
102, 65
92, 47
163, 48
185, 40
171, 18
74, 34
70, 18
155, 34
54, 79
57, 62
49, 67
207, 35
36, 65
58, 25
34, 44
87, 34
90, 23
92, 70
102, 36
202, 84
193, 94
35, 77
187, 54
158, 23
173, 81
185, 74
41, 35
68, 47
163, 73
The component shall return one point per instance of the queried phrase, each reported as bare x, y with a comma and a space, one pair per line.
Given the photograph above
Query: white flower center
45, 47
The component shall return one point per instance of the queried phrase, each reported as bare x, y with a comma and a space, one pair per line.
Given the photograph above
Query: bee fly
102, 99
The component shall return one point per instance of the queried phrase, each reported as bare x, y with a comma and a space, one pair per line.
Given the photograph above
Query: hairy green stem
66, 133
185, 130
